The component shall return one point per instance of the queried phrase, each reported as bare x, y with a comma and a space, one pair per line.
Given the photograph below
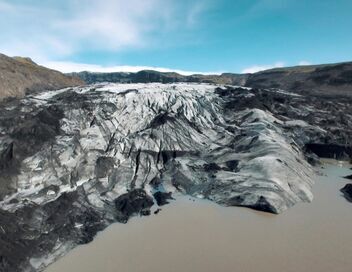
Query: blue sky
183, 35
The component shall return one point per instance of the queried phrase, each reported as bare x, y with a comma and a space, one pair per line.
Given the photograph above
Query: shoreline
186, 216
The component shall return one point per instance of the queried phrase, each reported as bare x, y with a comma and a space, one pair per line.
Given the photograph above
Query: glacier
79, 159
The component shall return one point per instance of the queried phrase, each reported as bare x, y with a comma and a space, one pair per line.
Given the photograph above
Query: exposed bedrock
347, 192
134, 202
334, 151
79, 159
162, 198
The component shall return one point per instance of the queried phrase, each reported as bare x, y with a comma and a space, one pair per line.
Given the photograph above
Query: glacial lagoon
198, 235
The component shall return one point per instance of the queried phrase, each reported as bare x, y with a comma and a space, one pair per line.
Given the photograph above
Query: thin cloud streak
258, 68
304, 62
68, 67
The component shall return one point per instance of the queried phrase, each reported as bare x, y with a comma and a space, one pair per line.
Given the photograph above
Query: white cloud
257, 68
67, 67
111, 24
59, 29
304, 62
5, 7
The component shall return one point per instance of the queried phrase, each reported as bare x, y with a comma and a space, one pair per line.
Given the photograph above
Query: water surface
202, 236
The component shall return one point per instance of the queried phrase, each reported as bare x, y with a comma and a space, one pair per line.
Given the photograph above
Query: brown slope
321, 80
21, 75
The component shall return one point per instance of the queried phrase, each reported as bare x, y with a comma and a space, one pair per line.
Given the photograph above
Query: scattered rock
135, 202
157, 211
162, 198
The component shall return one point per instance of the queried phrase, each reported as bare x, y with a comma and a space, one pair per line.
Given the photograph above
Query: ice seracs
168, 133
84, 157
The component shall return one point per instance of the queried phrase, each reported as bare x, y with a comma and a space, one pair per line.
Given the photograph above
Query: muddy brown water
199, 236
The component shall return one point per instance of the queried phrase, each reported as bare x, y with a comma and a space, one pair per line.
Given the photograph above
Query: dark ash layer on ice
79, 159
347, 192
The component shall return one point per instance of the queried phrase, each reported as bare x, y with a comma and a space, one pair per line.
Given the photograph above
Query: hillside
21, 75
148, 76
321, 80
326, 80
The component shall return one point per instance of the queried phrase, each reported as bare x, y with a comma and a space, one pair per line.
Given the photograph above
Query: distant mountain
148, 76
328, 79
21, 75
325, 80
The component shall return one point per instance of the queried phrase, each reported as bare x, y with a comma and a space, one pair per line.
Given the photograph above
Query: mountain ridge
320, 80
152, 76
19, 75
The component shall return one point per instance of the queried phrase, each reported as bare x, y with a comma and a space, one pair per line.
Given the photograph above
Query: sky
187, 36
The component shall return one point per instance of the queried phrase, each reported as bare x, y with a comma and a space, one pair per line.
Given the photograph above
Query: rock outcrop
347, 192
81, 158
19, 76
